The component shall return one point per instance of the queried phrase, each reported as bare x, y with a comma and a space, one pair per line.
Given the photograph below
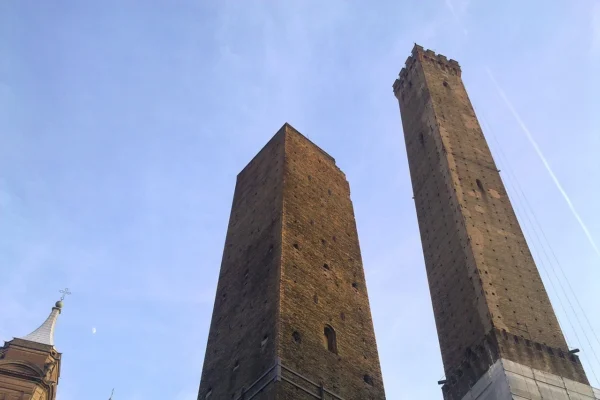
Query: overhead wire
545, 239
525, 221
560, 268
529, 210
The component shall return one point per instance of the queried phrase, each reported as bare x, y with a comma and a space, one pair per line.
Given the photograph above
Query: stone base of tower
508, 380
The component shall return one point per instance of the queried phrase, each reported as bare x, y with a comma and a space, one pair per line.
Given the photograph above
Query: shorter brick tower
291, 319
498, 333
30, 366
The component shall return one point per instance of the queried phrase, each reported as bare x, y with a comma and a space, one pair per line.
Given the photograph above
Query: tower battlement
425, 56
491, 308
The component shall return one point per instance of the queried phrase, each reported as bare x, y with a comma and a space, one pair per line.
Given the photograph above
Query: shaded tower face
488, 298
30, 367
291, 318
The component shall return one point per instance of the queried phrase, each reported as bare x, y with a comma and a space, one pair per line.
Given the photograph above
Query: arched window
329, 338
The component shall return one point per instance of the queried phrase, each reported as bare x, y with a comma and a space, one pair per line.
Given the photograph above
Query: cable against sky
527, 132
544, 160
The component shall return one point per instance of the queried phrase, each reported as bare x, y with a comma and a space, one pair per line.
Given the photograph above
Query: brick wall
481, 274
243, 331
322, 279
291, 268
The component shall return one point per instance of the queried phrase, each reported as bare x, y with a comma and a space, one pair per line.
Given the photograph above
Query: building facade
30, 366
492, 312
291, 318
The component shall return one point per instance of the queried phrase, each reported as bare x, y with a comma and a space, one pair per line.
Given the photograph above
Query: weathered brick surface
322, 280
304, 272
482, 277
244, 324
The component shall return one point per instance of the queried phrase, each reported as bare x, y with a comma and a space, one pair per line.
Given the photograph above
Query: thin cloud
458, 12
595, 20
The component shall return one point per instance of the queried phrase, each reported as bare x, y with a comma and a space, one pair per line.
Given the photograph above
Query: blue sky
124, 123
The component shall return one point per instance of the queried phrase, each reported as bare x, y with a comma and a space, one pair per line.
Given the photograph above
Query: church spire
45, 333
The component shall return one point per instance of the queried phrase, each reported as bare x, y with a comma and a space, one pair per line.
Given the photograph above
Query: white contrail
546, 164
455, 15
530, 137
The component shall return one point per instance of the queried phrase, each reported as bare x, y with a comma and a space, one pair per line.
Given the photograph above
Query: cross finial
64, 292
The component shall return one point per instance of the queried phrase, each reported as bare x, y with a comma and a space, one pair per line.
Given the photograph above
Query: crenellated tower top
425, 56
493, 315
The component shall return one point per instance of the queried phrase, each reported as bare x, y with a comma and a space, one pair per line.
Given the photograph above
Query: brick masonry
291, 269
487, 295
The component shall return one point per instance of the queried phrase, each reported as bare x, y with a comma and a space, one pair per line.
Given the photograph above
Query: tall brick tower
497, 330
30, 366
291, 318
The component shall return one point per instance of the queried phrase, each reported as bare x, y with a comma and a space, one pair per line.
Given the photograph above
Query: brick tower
291, 318
30, 366
494, 319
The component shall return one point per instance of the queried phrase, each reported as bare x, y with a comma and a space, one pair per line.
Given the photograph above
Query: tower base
279, 381
508, 380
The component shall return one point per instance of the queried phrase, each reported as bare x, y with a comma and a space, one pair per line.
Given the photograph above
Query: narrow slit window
479, 184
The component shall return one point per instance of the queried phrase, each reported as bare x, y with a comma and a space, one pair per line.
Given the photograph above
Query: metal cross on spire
64, 292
